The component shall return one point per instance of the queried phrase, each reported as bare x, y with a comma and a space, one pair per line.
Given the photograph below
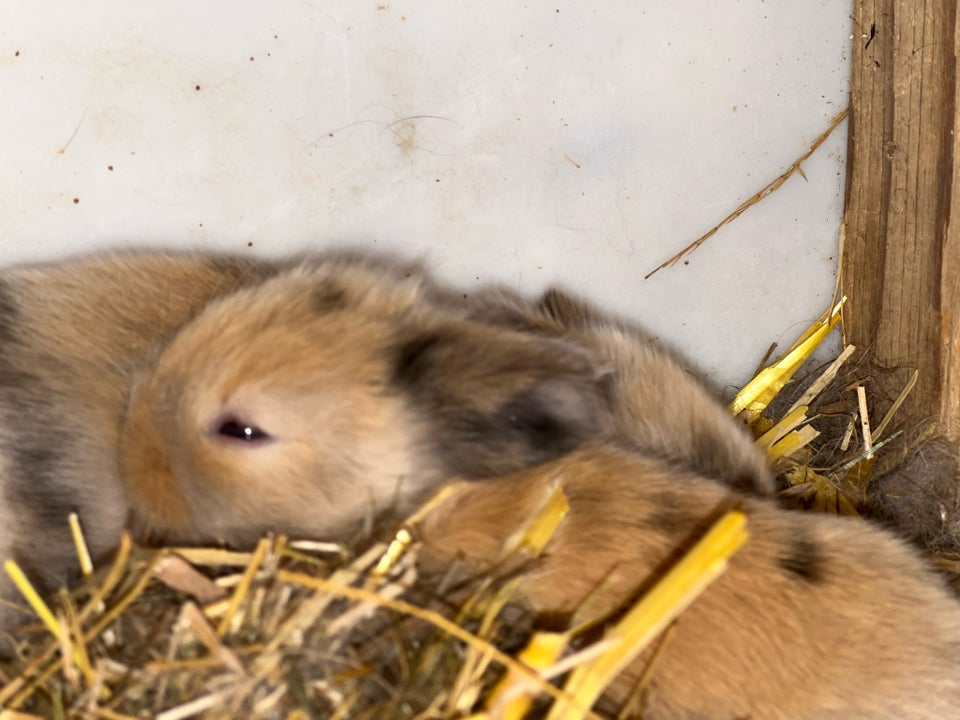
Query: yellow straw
654, 612
758, 393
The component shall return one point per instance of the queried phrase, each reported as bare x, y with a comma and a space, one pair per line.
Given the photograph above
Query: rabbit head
332, 392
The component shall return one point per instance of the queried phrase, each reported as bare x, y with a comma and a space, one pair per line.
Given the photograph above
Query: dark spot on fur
671, 518
472, 446
329, 298
9, 314
37, 450
749, 484
34, 450
804, 559
524, 431
555, 622
515, 626
411, 362
713, 456
498, 402
35, 460
540, 423
36, 488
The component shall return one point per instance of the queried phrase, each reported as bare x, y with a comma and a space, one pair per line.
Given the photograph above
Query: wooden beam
901, 264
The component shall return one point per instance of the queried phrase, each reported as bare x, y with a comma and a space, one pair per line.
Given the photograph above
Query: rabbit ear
553, 313
568, 310
496, 400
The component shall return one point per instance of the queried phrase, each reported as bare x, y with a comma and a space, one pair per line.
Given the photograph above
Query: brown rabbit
659, 406
327, 394
816, 616
322, 392
71, 335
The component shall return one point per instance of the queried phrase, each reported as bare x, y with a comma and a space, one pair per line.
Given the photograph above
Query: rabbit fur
659, 407
118, 372
817, 617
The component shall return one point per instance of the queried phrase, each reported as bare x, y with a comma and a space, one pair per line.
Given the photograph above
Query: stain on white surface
579, 143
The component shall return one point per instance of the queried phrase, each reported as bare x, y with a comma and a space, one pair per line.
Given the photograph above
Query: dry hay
209, 633
292, 630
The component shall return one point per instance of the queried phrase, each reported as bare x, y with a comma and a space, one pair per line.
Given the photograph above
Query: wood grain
901, 265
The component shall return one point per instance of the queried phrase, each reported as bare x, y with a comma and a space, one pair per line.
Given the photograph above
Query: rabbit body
816, 616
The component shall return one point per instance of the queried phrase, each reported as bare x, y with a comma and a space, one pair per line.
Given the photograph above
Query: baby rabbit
326, 394
71, 335
816, 616
293, 396
659, 406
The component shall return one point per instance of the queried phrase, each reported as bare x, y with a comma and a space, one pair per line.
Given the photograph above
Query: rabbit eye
239, 430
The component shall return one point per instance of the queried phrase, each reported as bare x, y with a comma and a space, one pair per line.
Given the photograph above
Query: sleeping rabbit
213, 399
659, 407
292, 396
71, 335
816, 616
329, 393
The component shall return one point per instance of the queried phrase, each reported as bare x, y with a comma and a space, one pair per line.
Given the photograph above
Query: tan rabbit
329, 393
71, 335
327, 389
816, 616
659, 406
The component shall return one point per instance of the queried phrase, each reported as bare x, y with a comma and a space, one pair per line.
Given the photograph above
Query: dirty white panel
573, 142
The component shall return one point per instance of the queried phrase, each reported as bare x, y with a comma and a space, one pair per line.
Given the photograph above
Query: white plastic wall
573, 142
